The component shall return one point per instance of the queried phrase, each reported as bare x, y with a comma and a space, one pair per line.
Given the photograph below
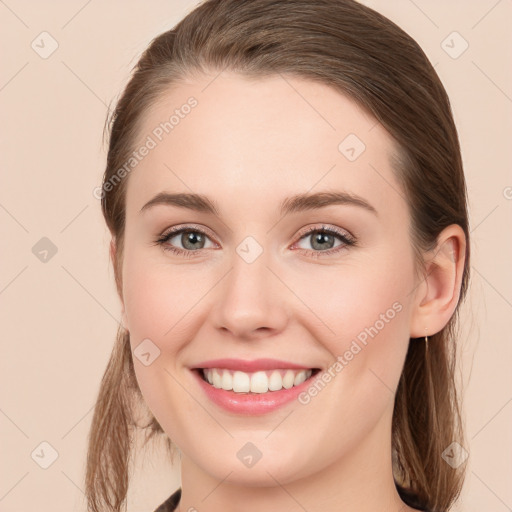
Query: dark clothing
410, 499
170, 504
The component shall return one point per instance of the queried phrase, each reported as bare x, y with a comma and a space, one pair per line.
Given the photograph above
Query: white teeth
217, 380
275, 383
227, 381
241, 381
257, 382
288, 379
299, 378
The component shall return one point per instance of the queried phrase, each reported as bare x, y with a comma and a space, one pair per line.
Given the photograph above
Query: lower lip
251, 403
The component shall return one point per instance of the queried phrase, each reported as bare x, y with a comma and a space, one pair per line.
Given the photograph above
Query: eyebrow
296, 203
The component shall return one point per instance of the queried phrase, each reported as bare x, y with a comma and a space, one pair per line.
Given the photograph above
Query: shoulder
170, 504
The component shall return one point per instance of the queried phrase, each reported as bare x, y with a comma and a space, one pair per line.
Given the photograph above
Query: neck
359, 479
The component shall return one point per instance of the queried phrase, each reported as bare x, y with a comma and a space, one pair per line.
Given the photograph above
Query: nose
251, 301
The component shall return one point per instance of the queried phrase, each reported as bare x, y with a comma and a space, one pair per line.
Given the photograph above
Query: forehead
242, 140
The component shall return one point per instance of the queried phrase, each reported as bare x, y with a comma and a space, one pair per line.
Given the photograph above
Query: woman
287, 204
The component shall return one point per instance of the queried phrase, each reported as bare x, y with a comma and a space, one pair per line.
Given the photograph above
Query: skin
247, 145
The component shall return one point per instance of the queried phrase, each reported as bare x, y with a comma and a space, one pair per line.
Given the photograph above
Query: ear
117, 274
437, 296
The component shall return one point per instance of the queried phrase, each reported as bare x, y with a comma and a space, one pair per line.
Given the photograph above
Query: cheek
156, 296
354, 297
366, 309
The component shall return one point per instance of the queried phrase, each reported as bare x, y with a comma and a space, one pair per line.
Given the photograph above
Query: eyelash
348, 241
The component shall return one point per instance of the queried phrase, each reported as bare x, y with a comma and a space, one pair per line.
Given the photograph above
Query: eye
191, 238
324, 240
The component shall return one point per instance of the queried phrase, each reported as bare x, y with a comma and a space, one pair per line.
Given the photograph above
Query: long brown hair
361, 54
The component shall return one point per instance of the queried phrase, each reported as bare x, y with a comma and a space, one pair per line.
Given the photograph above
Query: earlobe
438, 298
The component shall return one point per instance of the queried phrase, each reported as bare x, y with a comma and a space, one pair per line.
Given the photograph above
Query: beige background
59, 316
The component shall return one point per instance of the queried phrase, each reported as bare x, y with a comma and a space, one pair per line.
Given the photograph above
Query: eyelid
303, 232
327, 229
188, 227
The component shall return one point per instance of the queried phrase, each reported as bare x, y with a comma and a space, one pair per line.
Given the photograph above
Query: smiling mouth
258, 382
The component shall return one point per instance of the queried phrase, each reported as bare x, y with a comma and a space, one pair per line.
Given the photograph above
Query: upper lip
250, 366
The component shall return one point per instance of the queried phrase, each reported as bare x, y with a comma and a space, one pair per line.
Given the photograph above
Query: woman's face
251, 283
